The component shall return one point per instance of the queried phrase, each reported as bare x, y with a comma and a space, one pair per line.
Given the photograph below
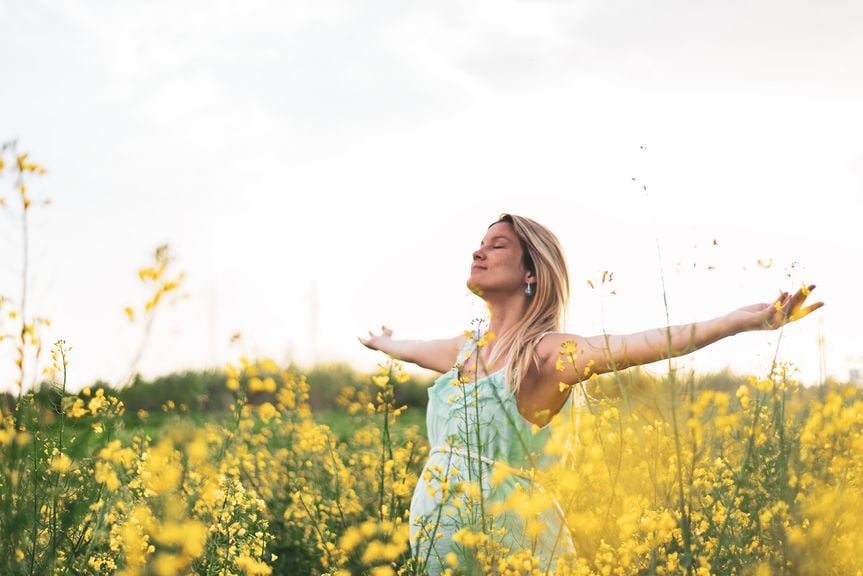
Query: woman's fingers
799, 297
803, 312
801, 294
385, 332
790, 306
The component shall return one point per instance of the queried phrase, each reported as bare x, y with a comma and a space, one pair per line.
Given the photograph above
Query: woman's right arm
437, 355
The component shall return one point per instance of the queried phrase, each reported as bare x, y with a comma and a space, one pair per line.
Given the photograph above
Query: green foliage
199, 391
326, 380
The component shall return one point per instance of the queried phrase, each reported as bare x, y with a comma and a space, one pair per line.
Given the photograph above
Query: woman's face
497, 264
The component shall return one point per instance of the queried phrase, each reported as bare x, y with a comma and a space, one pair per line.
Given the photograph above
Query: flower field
652, 475
761, 480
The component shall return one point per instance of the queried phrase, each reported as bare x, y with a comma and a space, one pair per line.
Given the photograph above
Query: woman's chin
474, 287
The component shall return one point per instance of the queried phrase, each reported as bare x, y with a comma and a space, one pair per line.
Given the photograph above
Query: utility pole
822, 355
314, 321
213, 323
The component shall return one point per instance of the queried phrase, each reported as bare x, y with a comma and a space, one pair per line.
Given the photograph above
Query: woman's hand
783, 310
376, 341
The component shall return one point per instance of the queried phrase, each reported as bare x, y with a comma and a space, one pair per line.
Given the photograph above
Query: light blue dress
503, 435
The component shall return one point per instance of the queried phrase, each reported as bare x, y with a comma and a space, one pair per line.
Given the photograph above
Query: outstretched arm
438, 355
583, 356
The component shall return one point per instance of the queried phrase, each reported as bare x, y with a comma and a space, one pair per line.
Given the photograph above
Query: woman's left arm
575, 358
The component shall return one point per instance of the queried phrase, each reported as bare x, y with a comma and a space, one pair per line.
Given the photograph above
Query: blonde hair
546, 311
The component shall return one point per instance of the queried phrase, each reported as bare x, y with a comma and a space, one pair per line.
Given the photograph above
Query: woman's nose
478, 255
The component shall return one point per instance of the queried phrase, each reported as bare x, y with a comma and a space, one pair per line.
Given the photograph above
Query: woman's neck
505, 313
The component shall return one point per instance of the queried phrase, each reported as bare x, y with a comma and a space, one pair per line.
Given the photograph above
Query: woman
501, 387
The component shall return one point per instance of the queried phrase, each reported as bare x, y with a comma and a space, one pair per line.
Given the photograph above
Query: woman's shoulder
454, 348
549, 345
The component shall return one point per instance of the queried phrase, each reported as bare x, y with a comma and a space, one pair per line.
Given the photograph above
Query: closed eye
497, 239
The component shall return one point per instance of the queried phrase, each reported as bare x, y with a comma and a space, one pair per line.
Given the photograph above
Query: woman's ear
529, 277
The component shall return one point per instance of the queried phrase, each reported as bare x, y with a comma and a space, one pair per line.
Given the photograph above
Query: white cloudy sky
320, 167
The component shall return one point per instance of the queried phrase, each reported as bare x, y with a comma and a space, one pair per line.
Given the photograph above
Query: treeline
206, 391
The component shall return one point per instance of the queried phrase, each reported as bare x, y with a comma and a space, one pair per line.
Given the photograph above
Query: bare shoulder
553, 344
572, 357
455, 345
441, 355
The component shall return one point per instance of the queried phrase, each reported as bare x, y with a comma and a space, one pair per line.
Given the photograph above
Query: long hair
546, 311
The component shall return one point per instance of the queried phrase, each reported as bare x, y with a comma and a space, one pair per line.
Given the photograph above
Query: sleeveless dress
464, 454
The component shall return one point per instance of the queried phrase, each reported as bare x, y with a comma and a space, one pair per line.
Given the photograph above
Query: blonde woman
496, 397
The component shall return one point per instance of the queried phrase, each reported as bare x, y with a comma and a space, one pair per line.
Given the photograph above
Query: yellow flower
470, 489
7, 434
105, 475
22, 439
197, 450
252, 567
61, 463
267, 412
500, 473
148, 273
486, 338
467, 538
167, 565
402, 377
97, 402
350, 539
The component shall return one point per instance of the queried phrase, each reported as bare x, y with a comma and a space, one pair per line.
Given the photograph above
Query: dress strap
536, 342
462, 354
541, 336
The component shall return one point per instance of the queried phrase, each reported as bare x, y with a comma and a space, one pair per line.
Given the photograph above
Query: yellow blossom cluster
93, 405
763, 478
667, 477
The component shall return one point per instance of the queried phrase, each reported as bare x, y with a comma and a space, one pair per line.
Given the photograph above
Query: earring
529, 290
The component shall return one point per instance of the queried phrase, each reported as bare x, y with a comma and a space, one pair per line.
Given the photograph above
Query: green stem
437, 519
485, 529
24, 268
60, 448
738, 485
385, 437
35, 481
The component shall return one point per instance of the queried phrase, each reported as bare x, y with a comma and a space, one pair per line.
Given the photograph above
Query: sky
319, 168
